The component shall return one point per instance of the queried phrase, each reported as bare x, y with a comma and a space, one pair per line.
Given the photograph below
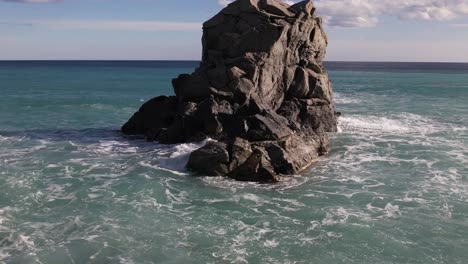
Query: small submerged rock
260, 91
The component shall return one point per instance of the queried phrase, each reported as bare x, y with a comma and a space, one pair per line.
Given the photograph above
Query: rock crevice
260, 91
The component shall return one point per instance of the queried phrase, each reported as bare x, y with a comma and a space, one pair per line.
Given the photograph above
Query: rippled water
394, 189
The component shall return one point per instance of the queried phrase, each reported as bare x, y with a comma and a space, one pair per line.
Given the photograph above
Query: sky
358, 30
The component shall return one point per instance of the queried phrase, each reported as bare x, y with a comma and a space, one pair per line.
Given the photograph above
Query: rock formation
260, 92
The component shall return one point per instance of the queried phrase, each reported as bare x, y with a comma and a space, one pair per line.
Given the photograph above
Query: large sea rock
260, 92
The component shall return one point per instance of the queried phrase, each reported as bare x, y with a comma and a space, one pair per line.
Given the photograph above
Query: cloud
33, 1
224, 2
122, 25
16, 24
366, 13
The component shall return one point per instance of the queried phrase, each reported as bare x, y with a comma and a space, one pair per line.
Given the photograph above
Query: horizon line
191, 60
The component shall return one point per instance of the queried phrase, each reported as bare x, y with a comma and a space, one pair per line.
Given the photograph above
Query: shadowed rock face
260, 91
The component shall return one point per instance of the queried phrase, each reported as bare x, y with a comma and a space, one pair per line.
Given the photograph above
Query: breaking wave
403, 123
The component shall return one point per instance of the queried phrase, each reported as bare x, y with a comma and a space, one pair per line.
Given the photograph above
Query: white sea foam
58, 192
371, 124
5, 217
253, 198
180, 171
445, 211
449, 182
404, 123
336, 216
177, 157
174, 158
113, 147
392, 210
401, 124
11, 139
342, 215
389, 211
285, 183
123, 260
345, 99
14, 243
412, 199
26, 241
4, 255
220, 232
270, 243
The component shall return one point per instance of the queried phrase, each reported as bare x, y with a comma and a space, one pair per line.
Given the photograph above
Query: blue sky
359, 30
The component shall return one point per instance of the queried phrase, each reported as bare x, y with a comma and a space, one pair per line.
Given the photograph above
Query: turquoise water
394, 189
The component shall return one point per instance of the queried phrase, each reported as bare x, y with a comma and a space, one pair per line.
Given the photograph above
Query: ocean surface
394, 188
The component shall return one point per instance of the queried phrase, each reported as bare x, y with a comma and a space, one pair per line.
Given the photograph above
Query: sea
73, 189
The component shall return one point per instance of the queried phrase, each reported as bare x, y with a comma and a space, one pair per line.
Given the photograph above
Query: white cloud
224, 2
361, 13
126, 25
354, 13
366, 13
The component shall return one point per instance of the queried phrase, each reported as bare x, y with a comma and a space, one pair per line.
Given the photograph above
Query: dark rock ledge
261, 92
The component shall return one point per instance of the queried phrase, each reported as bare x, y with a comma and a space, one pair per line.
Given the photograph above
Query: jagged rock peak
260, 91
269, 7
